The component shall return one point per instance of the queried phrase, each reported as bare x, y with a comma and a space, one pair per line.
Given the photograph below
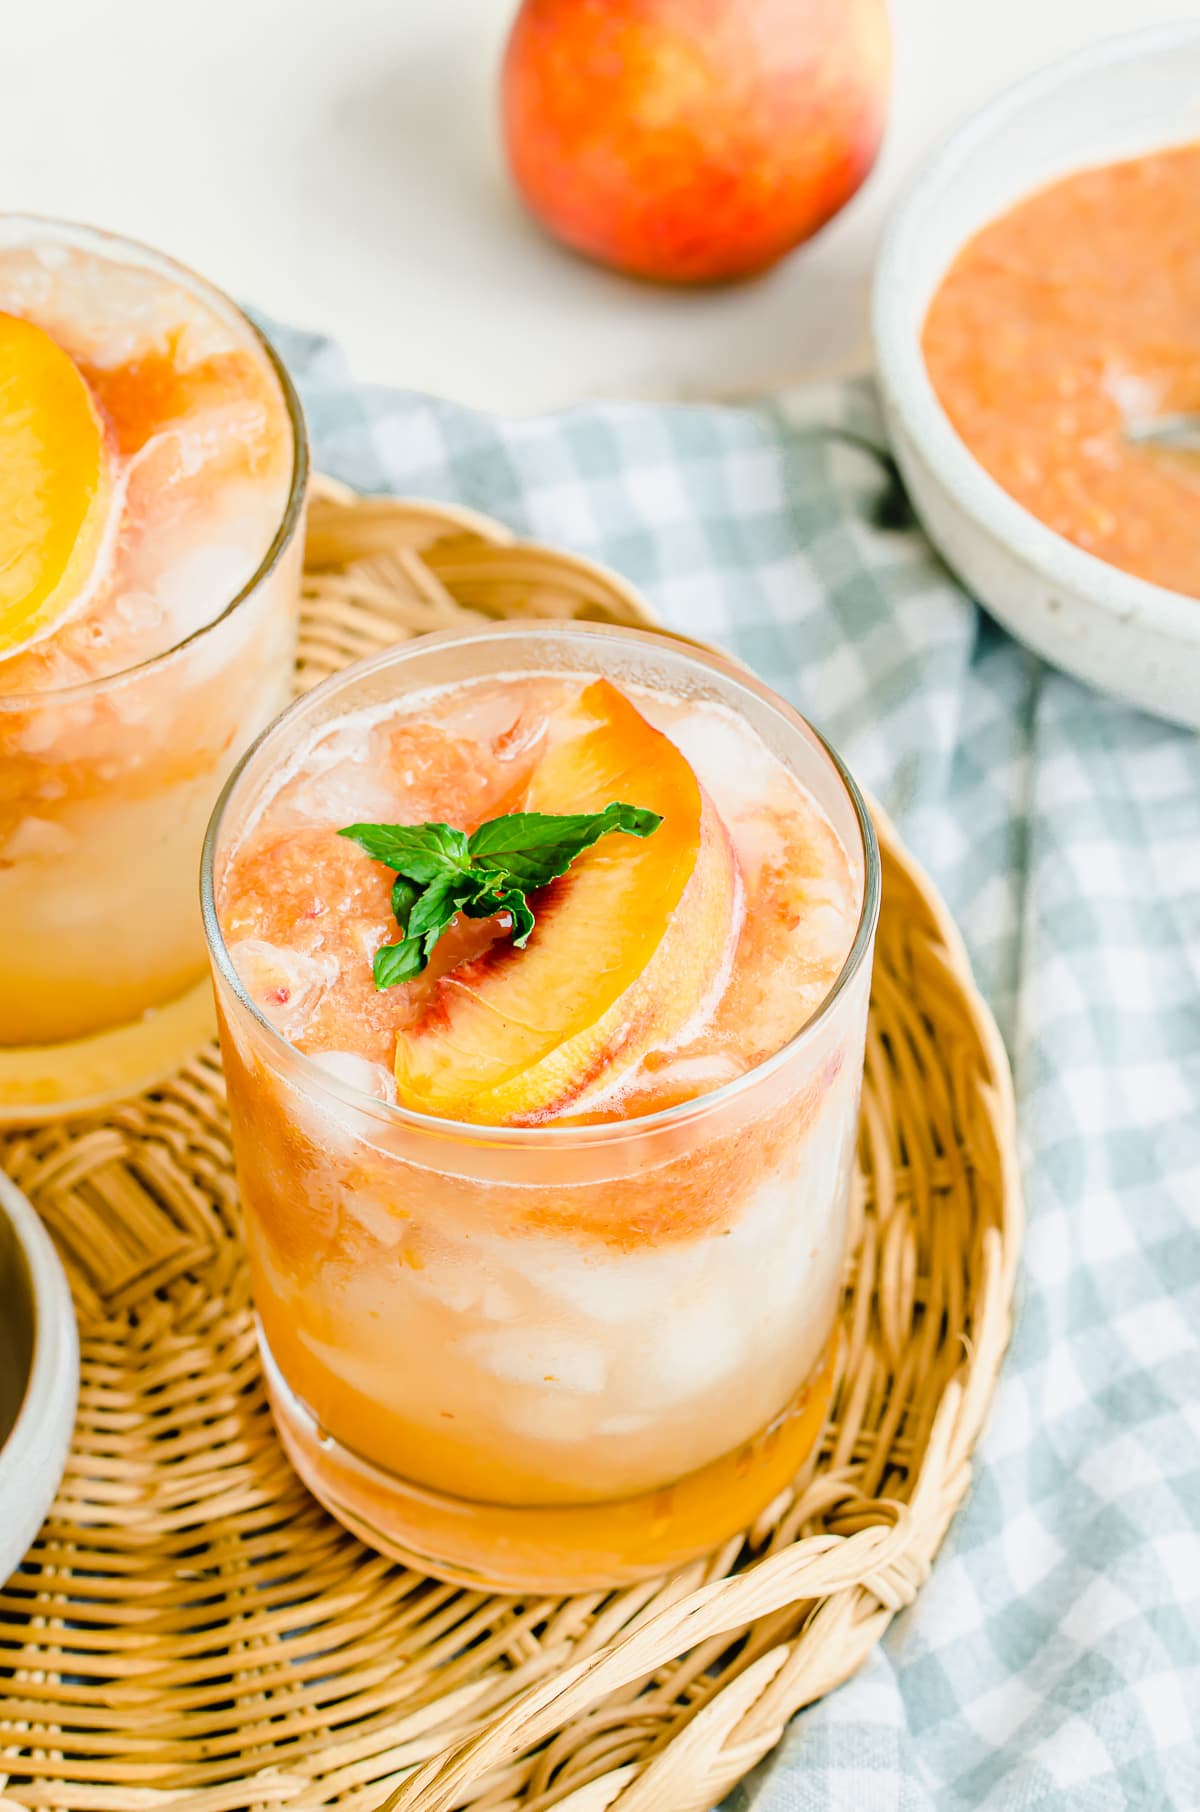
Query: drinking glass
557, 1357
105, 790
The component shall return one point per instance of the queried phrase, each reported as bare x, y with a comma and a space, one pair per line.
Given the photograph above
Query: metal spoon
1181, 433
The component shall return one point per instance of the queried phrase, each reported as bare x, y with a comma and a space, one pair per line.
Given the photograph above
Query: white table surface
338, 165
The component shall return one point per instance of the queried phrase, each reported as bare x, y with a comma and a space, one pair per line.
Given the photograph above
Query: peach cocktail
547, 1232
152, 470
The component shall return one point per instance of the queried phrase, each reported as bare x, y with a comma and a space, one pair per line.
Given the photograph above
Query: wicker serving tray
192, 1632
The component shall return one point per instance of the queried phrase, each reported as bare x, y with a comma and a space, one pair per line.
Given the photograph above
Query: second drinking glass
153, 465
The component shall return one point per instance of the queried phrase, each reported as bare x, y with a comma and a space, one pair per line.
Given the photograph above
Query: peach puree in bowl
1068, 319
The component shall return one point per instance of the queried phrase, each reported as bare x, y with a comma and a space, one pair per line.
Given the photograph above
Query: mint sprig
441, 871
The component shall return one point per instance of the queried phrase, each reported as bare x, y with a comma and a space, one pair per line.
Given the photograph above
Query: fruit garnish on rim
441, 871
407, 847
54, 480
636, 925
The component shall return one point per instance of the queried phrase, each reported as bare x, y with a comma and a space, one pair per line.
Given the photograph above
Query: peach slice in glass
627, 944
54, 482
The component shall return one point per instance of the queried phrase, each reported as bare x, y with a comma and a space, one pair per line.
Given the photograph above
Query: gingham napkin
1053, 1658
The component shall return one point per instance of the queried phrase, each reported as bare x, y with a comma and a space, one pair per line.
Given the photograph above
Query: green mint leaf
423, 914
438, 904
441, 871
399, 962
533, 848
420, 852
405, 895
504, 899
523, 920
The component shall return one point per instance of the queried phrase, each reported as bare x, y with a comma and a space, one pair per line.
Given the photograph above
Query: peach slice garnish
627, 944
54, 482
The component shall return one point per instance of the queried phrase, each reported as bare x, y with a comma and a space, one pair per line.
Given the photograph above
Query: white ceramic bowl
1122, 98
39, 1374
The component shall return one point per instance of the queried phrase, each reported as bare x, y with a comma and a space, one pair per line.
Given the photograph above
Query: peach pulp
152, 466
547, 1243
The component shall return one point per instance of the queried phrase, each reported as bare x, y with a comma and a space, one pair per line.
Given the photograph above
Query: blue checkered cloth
1053, 1658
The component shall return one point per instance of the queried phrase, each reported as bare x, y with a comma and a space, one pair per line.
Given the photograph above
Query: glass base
550, 1548
49, 1081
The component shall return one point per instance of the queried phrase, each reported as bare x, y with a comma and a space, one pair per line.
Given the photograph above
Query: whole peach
693, 141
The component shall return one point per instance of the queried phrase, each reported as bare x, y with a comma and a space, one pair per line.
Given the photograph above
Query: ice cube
523, 735
551, 1417
379, 1219
194, 586
374, 1079
623, 1425
109, 312
463, 1289
286, 984
538, 1356
128, 617
695, 1347
340, 784
695, 1075
34, 837
765, 1223
495, 1303
726, 754
488, 716
632, 1287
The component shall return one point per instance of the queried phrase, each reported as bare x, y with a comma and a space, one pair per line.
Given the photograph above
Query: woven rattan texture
191, 1631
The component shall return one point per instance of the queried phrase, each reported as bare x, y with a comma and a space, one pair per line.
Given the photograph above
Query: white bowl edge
1137, 640
34, 1455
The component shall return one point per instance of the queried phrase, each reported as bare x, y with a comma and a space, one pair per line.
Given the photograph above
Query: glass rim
297, 485
577, 1133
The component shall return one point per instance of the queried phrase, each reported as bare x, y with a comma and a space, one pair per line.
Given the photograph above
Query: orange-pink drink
547, 1237
151, 484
